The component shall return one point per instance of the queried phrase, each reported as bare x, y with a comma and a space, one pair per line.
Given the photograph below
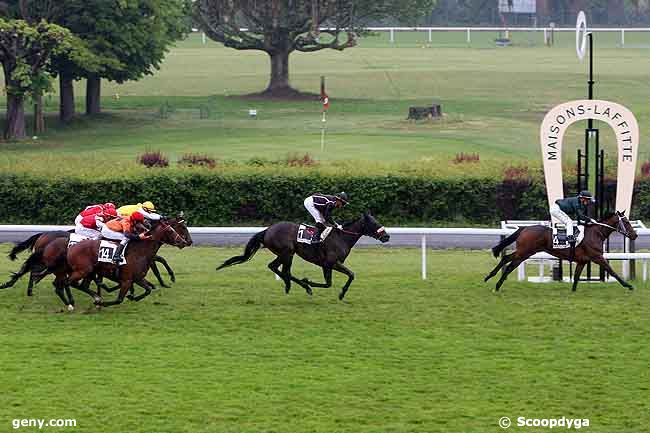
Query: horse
330, 254
82, 261
534, 239
37, 270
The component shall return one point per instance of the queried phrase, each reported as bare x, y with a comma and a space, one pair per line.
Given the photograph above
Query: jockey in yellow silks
147, 209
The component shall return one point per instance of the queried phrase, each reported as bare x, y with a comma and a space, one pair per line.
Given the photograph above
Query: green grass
494, 100
230, 352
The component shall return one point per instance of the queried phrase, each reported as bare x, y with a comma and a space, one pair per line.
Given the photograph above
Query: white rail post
203, 38
424, 257
626, 263
545, 37
521, 271
622, 37
645, 270
430, 40
392, 35
469, 36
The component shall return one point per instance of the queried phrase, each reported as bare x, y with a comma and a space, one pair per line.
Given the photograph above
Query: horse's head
372, 228
172, 231
624, 227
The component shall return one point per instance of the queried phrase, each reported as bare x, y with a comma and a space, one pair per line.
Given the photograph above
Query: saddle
306, 234
106, 248
560, 240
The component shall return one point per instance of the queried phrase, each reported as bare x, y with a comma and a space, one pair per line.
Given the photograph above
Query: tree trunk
15, 122
39, 119
66, 101
93, 93
279, 84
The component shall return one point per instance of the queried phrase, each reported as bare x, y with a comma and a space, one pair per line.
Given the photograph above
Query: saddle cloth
75, 239
107, 251
559, 235
306, 234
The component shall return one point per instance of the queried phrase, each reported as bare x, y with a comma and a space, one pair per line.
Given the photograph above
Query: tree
280, 27
128, 38
25, 50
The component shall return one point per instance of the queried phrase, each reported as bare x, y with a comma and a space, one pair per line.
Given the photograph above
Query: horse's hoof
130, 297
70, 308
98, 300
630, 287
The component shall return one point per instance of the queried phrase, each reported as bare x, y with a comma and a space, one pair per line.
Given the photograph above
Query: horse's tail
252, 246
33, 259
24, 245
507, 241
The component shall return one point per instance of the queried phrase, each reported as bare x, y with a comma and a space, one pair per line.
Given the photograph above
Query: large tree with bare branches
280, 27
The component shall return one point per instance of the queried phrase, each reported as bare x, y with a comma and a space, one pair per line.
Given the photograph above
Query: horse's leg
84, 285
170, 271
516, 261
340, 268
602, 261
505, 259
147, 286
327, 274
576, 275
59, 289
125, 286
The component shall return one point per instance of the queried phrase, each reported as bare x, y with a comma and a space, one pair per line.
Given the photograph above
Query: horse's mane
349, 223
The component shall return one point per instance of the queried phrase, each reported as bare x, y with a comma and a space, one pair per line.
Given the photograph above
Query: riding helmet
343, 197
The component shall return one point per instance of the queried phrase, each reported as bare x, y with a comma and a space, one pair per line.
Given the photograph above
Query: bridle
620, 226
375, 235
177, 237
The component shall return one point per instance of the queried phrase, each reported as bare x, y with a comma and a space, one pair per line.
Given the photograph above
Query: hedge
229, 200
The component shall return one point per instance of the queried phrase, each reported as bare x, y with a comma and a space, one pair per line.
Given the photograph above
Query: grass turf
494, 100
230, 352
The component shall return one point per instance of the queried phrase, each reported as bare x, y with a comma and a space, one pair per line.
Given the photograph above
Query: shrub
153, 159
466, 157
191, 160
645, 169
296, 160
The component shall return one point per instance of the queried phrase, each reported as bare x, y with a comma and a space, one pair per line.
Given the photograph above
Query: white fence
544, 32
26, 230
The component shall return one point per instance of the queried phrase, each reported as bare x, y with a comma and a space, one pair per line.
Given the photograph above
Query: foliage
297, 160
197, 160
128, 38
463, 157
153, 159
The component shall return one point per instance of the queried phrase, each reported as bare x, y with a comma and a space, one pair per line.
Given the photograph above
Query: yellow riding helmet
148, 205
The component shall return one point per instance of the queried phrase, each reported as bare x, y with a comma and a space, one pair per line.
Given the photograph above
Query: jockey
147, 209
577, 206
320, 207
124, 229
89, 221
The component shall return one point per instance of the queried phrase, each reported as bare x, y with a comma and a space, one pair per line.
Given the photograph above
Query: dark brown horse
37, 269
330, 255
535, 239
82, 261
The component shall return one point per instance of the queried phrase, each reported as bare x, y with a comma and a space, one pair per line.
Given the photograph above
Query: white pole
626, 263
645, 270
430, 35
521, 272
392, 36
545, 37
322, 133
469, 36
424, 257
622, 37
203, 38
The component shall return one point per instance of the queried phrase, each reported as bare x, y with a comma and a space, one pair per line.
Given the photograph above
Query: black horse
330, 255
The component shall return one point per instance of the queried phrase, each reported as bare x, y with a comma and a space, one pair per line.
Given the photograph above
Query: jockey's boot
320, 228
118, 256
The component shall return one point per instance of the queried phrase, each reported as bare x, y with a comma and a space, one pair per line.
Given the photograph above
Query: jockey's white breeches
309, 205
113, 235
565, 219
77, 220
85, 231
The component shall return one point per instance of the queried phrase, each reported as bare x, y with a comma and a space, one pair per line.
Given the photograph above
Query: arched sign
622, 122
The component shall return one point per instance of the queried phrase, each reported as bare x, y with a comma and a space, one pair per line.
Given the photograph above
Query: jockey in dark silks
564, 209
320, 206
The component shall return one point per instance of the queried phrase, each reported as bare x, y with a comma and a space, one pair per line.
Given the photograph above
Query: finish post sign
625, 128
